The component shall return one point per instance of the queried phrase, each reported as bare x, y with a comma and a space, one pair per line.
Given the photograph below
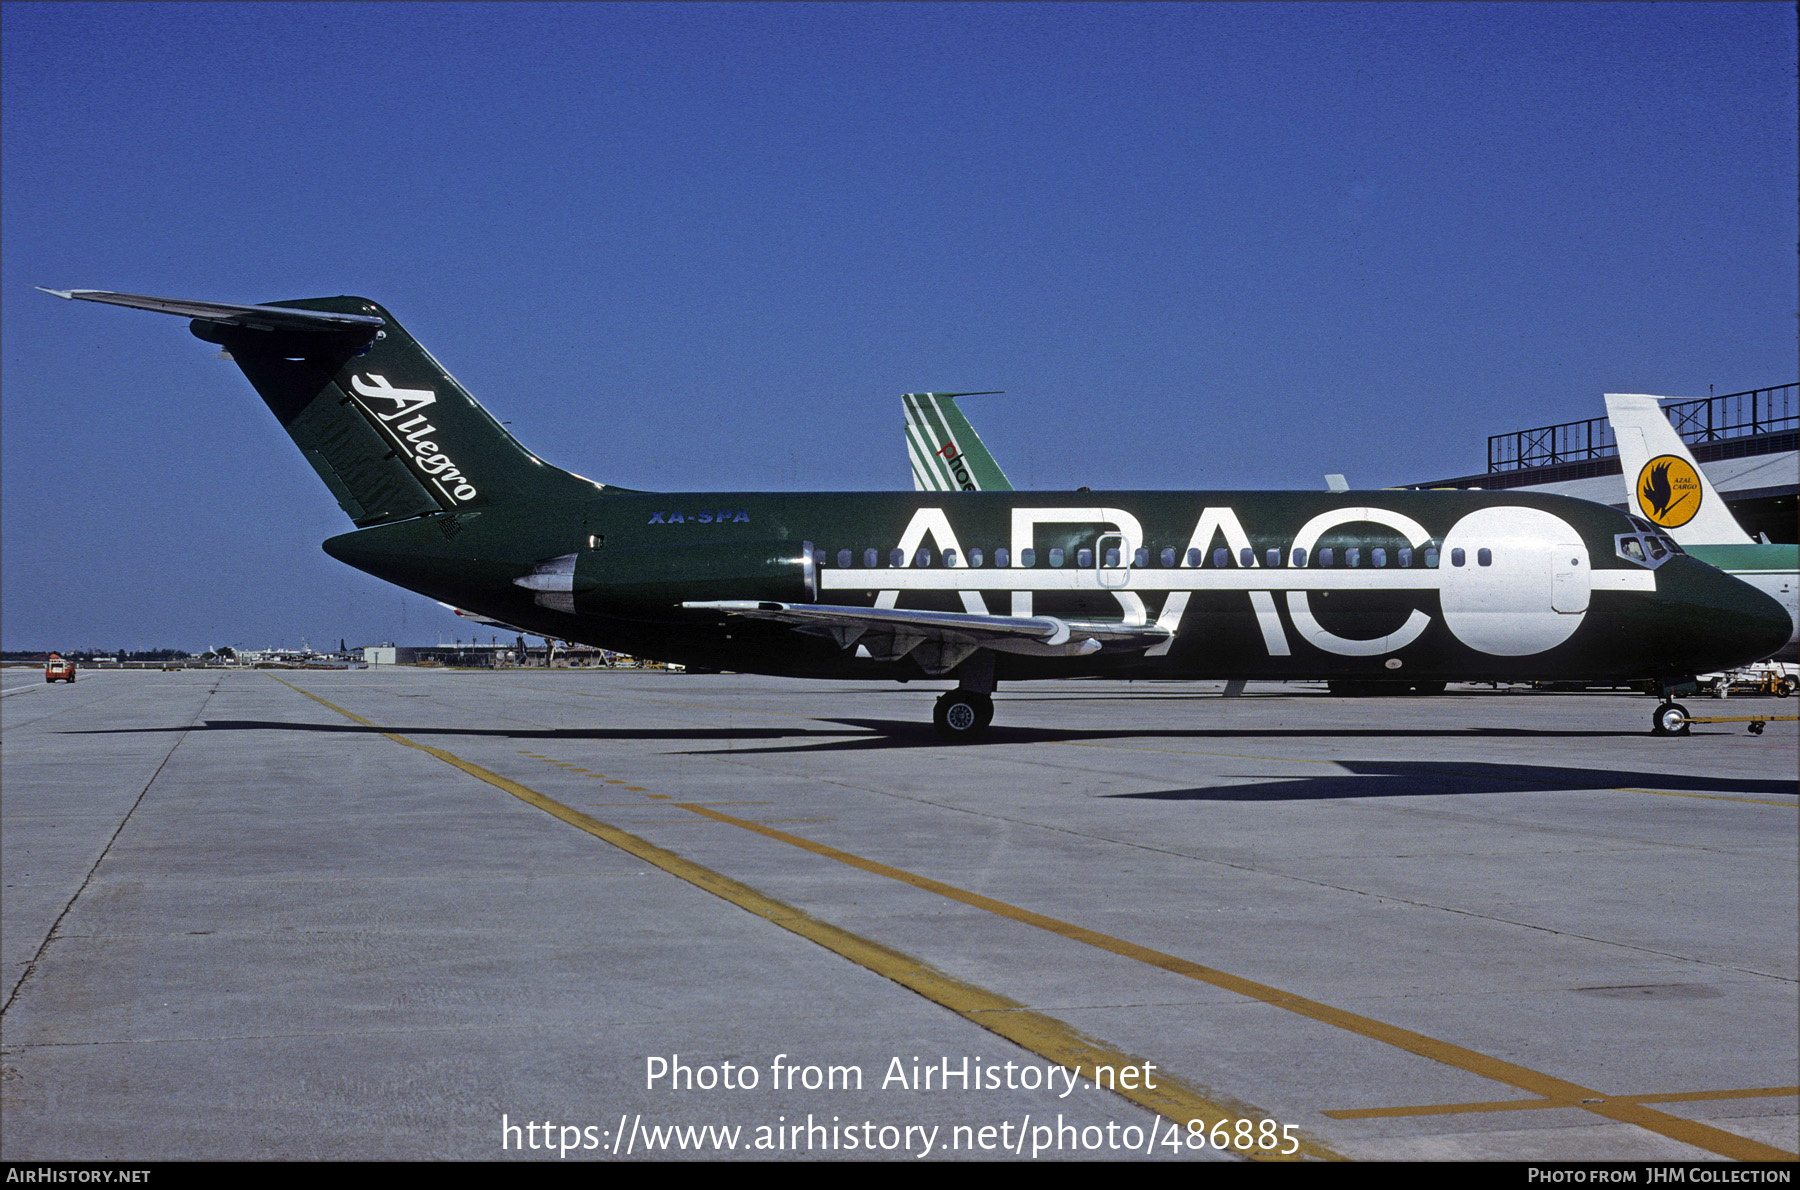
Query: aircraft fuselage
1371, 585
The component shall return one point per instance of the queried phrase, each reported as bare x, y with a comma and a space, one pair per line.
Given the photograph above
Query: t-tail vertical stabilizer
392, 434
1667, 487
946, 453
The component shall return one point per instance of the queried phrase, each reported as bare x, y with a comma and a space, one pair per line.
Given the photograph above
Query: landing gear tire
962, 716
1671, 718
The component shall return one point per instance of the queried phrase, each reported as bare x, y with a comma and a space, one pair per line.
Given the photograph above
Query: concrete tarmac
402, 913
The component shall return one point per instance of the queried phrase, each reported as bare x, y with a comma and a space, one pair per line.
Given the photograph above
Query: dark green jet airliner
1404, 589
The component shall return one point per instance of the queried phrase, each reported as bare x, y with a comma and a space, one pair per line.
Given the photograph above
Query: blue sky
706, 247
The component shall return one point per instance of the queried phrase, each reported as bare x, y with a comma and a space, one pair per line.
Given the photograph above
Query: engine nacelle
637, 579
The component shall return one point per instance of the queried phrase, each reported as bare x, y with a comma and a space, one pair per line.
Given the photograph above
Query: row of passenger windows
1221, 557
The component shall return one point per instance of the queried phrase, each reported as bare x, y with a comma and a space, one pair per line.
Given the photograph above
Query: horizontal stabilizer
262, 318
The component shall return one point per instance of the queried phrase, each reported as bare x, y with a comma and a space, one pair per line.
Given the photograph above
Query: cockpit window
1649, 549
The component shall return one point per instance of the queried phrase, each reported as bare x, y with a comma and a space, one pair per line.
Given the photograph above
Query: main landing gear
962, 716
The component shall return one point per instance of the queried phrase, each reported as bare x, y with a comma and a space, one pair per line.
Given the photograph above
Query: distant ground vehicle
1769, 677
58, 669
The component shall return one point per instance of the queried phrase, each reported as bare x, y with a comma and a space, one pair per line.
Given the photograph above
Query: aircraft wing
262, 318
487, 621
940, 641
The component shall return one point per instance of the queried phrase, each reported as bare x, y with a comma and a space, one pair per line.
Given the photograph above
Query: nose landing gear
1671, 718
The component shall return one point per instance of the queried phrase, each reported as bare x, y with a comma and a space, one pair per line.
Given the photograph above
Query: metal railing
1709, 419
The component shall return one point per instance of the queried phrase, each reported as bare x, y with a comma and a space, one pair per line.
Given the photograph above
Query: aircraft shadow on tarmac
508, 733
891, 733
1358, 778
875, 734
1415, 778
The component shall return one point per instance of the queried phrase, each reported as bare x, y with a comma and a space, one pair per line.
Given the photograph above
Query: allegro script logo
411, 435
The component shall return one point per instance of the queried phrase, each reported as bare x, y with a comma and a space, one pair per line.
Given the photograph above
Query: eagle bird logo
1668, 491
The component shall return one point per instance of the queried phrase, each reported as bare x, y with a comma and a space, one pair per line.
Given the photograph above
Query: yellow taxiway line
1059, 1040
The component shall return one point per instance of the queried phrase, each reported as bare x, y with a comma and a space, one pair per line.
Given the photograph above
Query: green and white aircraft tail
947, 454
392, 434
1665, 485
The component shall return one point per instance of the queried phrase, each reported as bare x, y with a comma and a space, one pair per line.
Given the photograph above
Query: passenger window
1405, 553
1167, 557
1221, 556
1272, 558
1457, 557
1431, 558
1353, 556
1112, 558
897, 559
949, 557
1299, 557
1193, 557
974, 557
819, 556
1056, 556
844, 558
1327, 557
1141, 558
922, 558
1378, 556
1028, 557
1485, 557
1084, 558
1001, 558
871, 559
1246, 557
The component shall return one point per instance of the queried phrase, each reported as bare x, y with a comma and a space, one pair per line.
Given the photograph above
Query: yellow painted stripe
1713, 797
1716, 1140
1043, 1035
1451, 1109
1443, 1109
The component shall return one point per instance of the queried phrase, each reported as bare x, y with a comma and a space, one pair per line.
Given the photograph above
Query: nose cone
1712, 621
